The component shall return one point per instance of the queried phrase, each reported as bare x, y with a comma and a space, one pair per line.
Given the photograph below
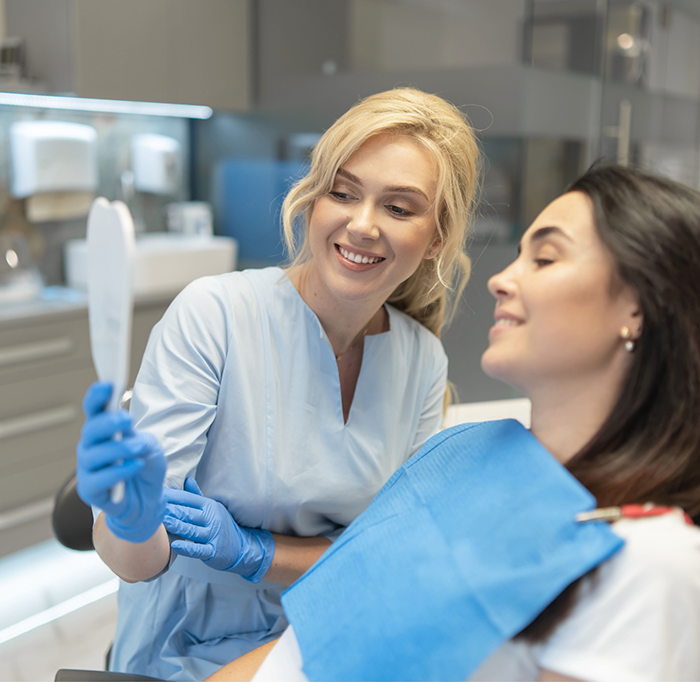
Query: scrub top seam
269, 387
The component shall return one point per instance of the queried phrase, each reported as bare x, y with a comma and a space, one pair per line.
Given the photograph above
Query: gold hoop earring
626, 334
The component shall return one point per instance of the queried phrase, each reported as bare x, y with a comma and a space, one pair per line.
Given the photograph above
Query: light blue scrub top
240, 385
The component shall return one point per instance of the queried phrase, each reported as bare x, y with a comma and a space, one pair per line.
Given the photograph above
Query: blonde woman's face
559, 309
376, 225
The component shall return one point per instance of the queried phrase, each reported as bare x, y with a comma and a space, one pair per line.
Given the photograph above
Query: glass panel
650, 107
499, 216
565, 35
628, 43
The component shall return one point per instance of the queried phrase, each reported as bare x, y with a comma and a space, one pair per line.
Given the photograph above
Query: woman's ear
633, 315
434, 249
637, 324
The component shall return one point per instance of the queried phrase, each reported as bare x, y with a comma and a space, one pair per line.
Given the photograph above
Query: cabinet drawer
37, 480
33, 350
45, 369
40, 394
39, 430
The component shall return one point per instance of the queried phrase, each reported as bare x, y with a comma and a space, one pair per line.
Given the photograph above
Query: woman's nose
500, 285
363, 222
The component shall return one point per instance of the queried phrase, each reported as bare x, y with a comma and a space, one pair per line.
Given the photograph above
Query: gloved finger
196, 517
192, 550
151, 443
97, 457
192, 487
96, 398
142, 444
95, 483
184, 499
104, 426
188, 531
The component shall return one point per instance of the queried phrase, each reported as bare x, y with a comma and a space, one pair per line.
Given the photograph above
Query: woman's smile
357, 257
503, 322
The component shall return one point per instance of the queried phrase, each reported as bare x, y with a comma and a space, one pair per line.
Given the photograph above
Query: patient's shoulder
638, 614
663, 547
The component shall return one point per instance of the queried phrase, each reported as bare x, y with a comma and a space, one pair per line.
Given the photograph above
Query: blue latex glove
211, 534
104, 460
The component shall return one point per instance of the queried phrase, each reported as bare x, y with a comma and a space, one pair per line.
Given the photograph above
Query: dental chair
72, 526
72, 518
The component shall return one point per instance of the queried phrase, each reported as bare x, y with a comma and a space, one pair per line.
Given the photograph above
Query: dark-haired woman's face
560, 308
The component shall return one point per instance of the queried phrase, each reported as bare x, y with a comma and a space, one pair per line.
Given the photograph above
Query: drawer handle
26, 513
36, 351
39, 420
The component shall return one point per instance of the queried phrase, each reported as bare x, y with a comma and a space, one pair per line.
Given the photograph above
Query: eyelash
396, 211
341, 196
399, 212
542, 262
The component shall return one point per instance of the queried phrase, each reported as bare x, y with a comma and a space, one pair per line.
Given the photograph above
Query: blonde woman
284, 399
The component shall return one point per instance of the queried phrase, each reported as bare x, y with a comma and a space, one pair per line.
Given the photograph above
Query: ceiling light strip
105, 106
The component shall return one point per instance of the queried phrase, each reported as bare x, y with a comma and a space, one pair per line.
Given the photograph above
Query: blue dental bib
461, 549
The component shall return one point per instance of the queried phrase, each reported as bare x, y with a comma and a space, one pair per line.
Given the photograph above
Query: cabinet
45, 367
179, 51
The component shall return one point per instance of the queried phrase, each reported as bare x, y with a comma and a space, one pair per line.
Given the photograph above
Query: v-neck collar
286, 281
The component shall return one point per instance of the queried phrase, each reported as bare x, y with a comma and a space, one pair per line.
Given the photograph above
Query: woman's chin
490, 365
498, 369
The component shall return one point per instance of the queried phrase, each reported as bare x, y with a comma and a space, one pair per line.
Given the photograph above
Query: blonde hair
430, 295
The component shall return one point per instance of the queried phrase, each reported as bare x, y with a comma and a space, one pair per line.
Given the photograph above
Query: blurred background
199, 114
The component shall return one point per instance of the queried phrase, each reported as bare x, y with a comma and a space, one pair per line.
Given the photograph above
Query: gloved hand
104, 460
213, 536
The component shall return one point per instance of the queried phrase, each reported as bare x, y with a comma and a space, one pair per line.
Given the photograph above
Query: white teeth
504, 322
356, 258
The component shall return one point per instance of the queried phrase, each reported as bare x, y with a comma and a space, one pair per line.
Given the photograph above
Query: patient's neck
566, 416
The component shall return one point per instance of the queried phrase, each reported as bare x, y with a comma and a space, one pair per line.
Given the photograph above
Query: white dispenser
54, 166
155, 162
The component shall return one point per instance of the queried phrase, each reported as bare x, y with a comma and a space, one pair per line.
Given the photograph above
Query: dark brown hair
648, 449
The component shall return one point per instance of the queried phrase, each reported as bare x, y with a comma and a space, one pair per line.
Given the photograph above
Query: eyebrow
408, 189
544, 232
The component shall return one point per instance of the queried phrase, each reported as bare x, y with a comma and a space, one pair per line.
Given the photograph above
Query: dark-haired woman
598, 322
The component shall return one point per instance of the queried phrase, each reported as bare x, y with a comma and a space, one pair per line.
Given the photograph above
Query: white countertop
52, 300
58, 300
